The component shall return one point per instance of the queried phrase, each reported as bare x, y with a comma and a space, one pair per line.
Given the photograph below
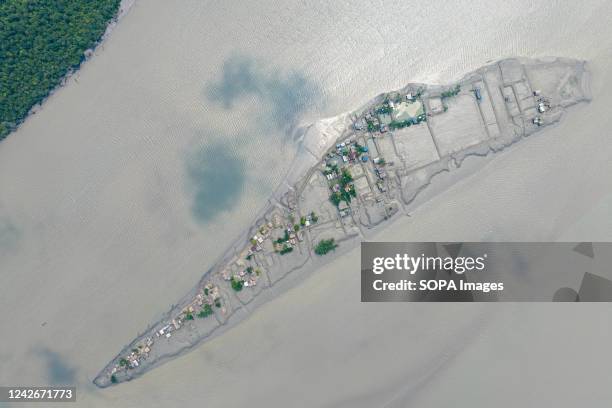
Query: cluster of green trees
237, 284
205, 312
384, 109
408, 122
324, 246
41, 41
285, 249
371, 126
451, 92
313, 219
338, 196
284, 238
346, 179
360, 149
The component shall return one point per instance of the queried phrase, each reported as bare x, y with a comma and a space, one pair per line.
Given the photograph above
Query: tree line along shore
41, 41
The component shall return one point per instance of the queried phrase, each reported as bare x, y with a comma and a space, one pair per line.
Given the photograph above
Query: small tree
314, 217
237, 284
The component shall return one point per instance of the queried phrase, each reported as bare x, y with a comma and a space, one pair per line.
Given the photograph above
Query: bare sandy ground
99, 233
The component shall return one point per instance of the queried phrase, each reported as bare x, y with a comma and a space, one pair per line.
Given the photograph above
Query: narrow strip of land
356, 174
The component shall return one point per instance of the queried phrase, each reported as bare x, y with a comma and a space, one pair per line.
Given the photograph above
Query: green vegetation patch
237, 284
346, 178
205, 312
336, 198
407, 123
40, 41
347, 189
451, 92
324, 246
360, 149
285, 238
371, 126
384, 110
285, 250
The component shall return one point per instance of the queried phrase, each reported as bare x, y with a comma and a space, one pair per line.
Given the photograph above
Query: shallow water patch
284, 96
216, 176
59, 371
9, 235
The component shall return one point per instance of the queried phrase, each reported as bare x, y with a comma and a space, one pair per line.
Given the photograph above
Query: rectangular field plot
485, 103
415, 146
524, 94
511, 101
460, 127
386, 149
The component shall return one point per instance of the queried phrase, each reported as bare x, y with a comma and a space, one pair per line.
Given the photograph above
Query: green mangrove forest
40, 42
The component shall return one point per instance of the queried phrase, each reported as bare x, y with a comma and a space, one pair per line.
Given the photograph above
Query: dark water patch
9, 235
239, 77
284, 96
217, 176
59, 371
